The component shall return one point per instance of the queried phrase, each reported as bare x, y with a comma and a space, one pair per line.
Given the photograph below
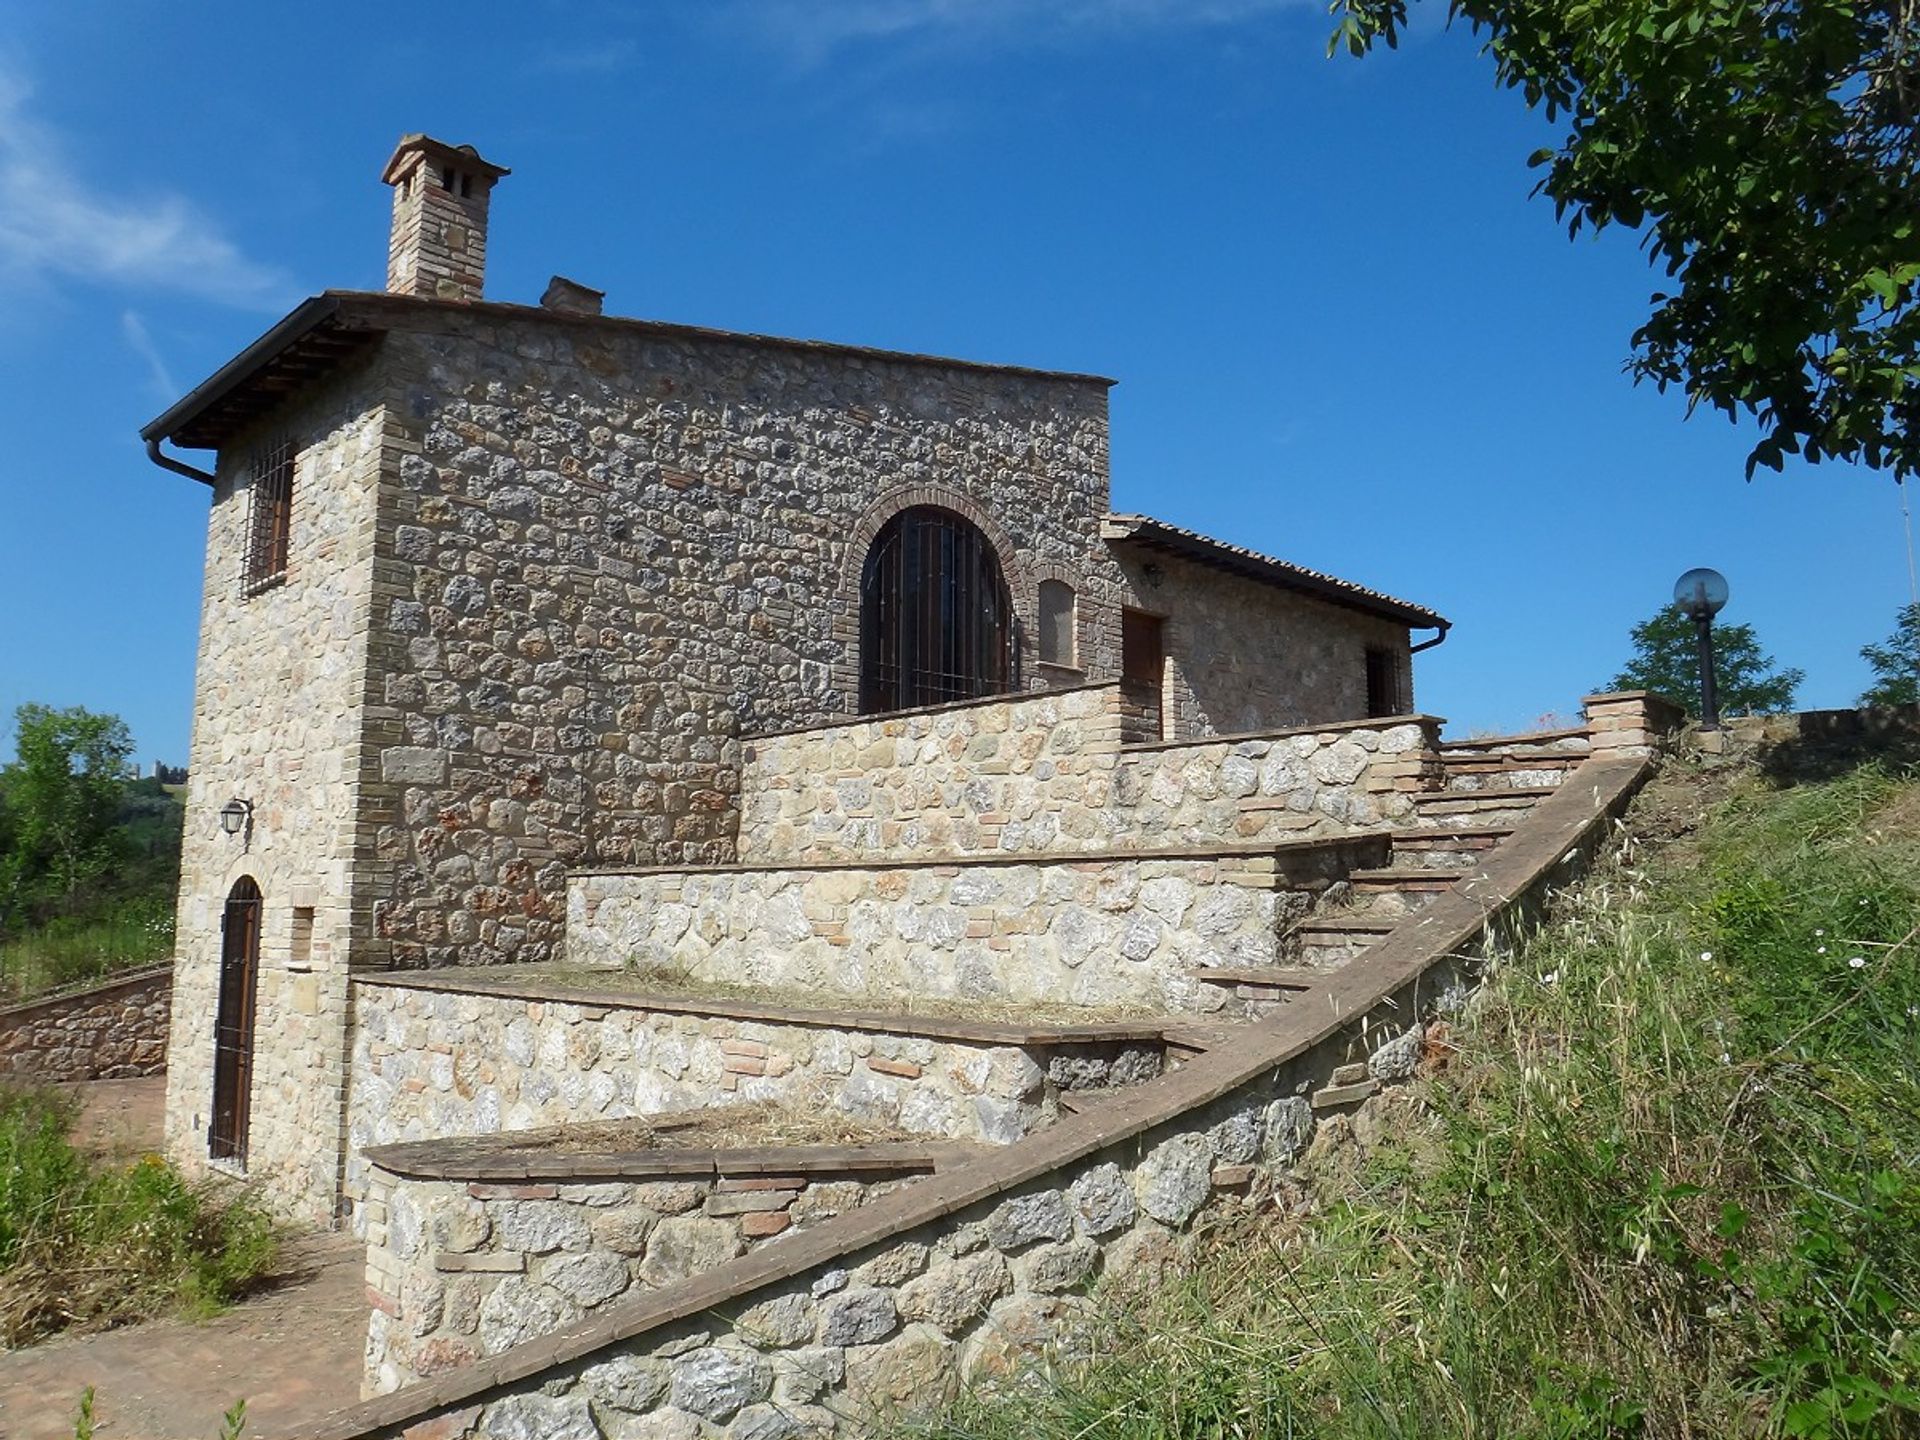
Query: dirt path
293, 1351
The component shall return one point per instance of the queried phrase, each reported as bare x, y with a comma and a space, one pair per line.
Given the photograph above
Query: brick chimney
438, 247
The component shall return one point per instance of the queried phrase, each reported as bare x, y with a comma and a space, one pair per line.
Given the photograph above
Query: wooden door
233, 1024
1142, 666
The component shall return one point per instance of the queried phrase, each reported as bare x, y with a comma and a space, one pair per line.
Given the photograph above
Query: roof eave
1171, 540
302, 319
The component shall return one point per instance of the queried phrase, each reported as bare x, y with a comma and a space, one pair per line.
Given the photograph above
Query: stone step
1446, 847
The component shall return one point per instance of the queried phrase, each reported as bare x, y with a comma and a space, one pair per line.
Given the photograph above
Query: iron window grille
269, 518
936, 618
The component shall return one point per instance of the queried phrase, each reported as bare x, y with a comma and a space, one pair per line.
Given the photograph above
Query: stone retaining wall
457, 1270
431, 1063
897, 1328
115, 1031
973, 1274
1103, 930
1048, 774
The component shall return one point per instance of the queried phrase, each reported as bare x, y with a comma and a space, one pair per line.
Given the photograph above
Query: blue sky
1344, 332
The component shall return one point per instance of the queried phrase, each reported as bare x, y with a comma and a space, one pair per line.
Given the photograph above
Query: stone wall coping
1247, 850
26, 1009
1378, 722
1551, 835
846, 722
917, 1027
511, 1164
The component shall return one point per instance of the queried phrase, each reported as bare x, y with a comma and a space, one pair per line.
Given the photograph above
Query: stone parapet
114, 1031
1630, 722
1051, 773
1113, 928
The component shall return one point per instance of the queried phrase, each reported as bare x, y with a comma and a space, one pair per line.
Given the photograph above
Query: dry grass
723, 1127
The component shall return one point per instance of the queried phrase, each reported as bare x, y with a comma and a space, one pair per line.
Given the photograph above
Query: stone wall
1095, 930
114, 1031
1246, 656
457, 1270
1327, 780
1031, 773
610, 547
278, 721
430, 1063
896, 1329
1048, 774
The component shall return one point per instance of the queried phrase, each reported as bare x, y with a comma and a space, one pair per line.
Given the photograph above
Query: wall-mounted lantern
236, 815
1699, 594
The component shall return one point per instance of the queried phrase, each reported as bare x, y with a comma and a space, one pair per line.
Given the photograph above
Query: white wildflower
1705, 956
1552, 977
1858, 962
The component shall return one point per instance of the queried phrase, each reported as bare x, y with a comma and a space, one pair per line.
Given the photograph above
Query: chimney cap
425, 146
570, 297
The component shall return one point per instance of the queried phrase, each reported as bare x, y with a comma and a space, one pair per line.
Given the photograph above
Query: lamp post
1699, 594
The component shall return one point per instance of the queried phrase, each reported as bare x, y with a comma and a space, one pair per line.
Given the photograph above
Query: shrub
87, 1243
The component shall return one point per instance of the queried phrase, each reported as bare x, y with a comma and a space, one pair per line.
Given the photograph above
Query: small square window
1057, 609
269, 518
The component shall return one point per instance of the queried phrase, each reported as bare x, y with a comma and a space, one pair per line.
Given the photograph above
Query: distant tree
1768, 155
1666, 659
1896, 663
61, 797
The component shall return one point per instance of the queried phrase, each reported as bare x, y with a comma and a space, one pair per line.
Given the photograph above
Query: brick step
1346, 925
1573, 738
1449, 848
1492, 762
1467, 802
1265, 977
1388, 879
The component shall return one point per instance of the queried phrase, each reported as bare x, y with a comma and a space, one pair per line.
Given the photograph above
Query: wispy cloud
812, 30
141, 342
53, 226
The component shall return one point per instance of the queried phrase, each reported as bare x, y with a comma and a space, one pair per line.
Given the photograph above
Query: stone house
497, 595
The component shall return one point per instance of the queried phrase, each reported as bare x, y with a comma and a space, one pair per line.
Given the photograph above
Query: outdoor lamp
236, 815
1699, 594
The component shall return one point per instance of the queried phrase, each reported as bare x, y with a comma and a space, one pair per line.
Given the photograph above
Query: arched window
936, 621
1056, 622
233, 1024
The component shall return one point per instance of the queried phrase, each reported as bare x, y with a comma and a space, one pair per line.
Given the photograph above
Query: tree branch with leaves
1766, 152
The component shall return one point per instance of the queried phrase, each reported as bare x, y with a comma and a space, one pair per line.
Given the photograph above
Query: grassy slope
1669, 1184
123, 923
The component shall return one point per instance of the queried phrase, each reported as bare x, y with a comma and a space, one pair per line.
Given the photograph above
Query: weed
88, 1243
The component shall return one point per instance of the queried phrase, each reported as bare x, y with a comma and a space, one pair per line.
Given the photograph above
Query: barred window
1056, 622
269, 518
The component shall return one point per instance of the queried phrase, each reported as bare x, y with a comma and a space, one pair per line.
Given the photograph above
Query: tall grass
1668, 1187
74, 950
84, 1242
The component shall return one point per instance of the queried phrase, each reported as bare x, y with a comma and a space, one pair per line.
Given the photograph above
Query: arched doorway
233, 1024
936, 620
